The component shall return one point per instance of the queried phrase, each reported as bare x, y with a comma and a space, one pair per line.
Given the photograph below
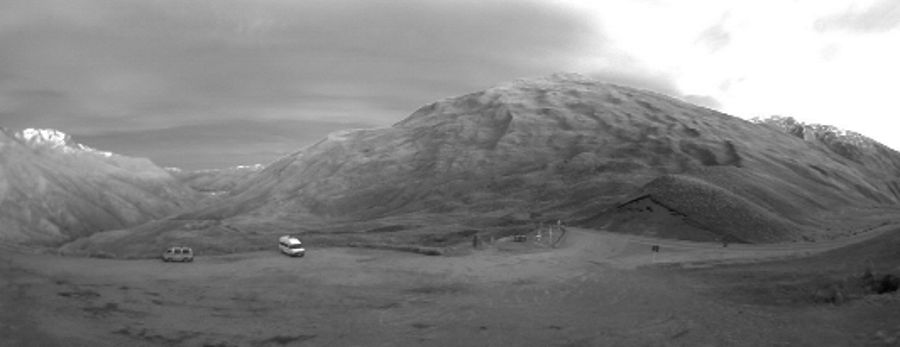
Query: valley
770, 232
596, 288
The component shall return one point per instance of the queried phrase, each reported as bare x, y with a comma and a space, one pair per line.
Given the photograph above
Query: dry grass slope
720, 210
693, 208
566, 146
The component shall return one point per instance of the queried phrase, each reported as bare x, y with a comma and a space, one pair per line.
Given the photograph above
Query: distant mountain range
215, 181
562, 147
54, 190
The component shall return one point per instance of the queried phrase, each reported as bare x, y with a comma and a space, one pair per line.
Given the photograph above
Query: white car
291, 246
182, 254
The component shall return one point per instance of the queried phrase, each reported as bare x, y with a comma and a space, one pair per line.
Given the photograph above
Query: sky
200, 84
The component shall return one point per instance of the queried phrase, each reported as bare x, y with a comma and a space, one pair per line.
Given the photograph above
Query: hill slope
569, 147
214, 181
556, 144
53, 190
542, 144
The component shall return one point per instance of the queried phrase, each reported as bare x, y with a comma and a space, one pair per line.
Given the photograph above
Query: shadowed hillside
53, 190
702, 211
828, 192
214, 181
573, 148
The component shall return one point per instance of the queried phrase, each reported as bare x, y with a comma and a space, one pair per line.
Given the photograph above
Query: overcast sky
217, 83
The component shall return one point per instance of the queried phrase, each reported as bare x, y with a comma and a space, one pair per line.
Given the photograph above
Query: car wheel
301, 255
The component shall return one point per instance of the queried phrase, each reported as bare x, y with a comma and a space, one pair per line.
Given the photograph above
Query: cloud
716, 36
162, 63
146, 67
879, 17
4, 76
829, 52
704, 100
32, 107
645, 80
218, 144
120, 72
654, 81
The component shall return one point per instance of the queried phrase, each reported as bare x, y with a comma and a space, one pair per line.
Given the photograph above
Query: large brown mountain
53, 190
572, 147
560, 144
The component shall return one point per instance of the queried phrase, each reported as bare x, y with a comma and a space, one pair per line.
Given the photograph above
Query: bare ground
594, 289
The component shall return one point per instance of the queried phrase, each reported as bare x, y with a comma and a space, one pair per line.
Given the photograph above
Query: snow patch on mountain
48, 137
254, 167
56, 139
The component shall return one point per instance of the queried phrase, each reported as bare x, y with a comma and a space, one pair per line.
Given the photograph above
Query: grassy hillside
51, 194
573, 148
724, 214
214, 181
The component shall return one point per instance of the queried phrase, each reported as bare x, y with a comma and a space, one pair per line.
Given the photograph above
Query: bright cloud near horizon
216, 83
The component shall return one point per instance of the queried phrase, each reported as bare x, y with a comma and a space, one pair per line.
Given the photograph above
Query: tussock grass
843, 290
864, 271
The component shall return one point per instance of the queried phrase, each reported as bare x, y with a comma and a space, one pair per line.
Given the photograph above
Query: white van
291, 246
182, 254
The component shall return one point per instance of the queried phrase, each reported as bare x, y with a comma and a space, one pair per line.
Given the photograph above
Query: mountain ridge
484, 120
564, 146
53, 190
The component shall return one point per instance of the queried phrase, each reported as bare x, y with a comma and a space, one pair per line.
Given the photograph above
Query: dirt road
630, 251
591, 291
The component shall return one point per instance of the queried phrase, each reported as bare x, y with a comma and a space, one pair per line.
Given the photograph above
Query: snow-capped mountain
53, 189
55, 139
44, 137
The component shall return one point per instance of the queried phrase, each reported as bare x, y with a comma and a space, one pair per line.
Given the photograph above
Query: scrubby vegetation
880, 284
837, 291
865, 271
